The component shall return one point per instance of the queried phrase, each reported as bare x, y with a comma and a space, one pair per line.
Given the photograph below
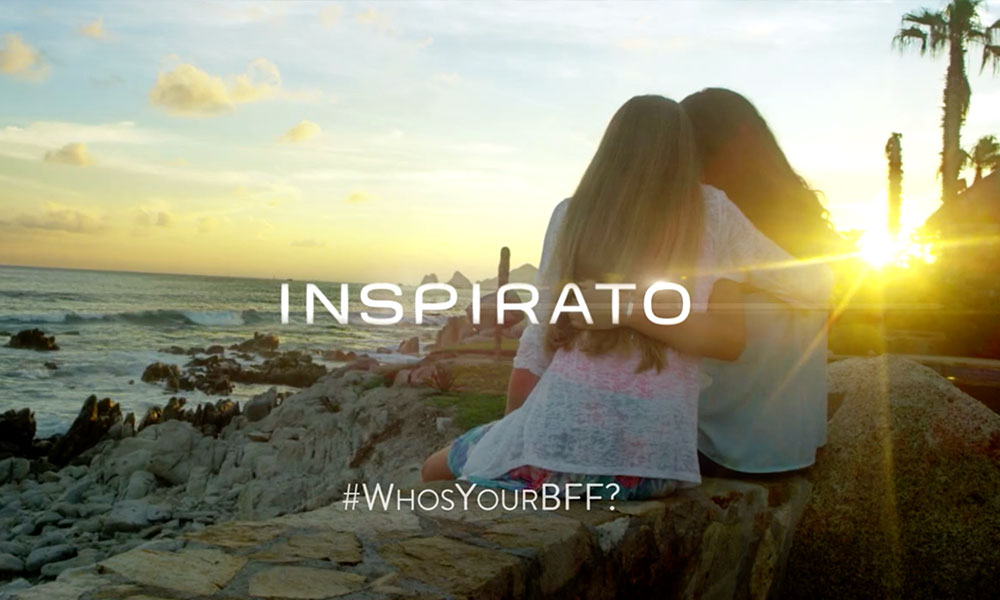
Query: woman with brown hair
766, 412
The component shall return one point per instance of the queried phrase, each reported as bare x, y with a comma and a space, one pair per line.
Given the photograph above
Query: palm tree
956, 27
984, 156
894, 152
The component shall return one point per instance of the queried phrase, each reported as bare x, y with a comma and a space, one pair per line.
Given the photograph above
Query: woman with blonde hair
619, 405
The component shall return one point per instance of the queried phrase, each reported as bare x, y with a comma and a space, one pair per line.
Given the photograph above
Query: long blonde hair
637, 214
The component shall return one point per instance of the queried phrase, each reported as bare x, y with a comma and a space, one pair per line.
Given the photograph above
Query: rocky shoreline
180, 470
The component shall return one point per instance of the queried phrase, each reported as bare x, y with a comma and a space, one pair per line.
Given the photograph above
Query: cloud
306, 130
20, 60
45, 134
189, 91
61, 219
330, 15
75, 154
358, 198
375, 19
154, 218
95, 30
308, 244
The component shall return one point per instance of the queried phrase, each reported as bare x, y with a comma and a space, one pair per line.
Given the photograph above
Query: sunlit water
110, 325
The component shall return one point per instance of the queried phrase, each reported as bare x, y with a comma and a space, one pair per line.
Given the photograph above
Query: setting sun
879, 249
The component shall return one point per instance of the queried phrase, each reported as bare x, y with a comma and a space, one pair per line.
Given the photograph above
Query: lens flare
880, 250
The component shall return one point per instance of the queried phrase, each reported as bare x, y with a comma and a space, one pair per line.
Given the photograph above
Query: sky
378, 141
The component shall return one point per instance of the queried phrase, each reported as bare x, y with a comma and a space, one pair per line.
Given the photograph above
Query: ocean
111, 325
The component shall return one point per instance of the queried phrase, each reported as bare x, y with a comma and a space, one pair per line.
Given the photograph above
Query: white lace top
593, 414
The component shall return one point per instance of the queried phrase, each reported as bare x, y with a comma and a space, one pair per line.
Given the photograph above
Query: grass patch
471, 409
481, 376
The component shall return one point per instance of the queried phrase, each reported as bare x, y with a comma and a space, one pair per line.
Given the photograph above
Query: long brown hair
766, 188
637, 214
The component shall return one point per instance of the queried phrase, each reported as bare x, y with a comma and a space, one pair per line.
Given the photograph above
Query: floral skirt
528, 477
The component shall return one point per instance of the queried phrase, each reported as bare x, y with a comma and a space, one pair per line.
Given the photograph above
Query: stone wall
725, 539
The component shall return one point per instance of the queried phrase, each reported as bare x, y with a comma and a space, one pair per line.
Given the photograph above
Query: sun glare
879, 250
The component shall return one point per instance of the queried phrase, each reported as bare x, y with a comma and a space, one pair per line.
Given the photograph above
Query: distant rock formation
526, 273
410, 346
429, 278
33, 339
459, 281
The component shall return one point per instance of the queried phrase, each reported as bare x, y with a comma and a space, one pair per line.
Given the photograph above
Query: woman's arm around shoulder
720, 332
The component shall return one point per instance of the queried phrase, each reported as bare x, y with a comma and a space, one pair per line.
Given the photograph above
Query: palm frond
976, 34
991, 56
931, 19
964, 159
911, 35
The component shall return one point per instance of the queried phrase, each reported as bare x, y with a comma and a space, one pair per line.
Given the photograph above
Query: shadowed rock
292, 368
410, 346
207, 418
262, 343
17, 431
93, 422
33, 339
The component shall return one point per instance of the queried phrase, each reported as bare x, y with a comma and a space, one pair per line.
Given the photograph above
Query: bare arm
720, 332
522, 381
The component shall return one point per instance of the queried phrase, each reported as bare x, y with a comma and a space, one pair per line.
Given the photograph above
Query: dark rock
362, 363
460, 282
39, 557
263, 344
174, 410
173, 350
210, 375
33, 339
261, 405
293, 368
410, 346
93, 422
208, 418
216, 349
51, 365
154, 415
162, 372
340, 356
455, 330
10, 565
17, 432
